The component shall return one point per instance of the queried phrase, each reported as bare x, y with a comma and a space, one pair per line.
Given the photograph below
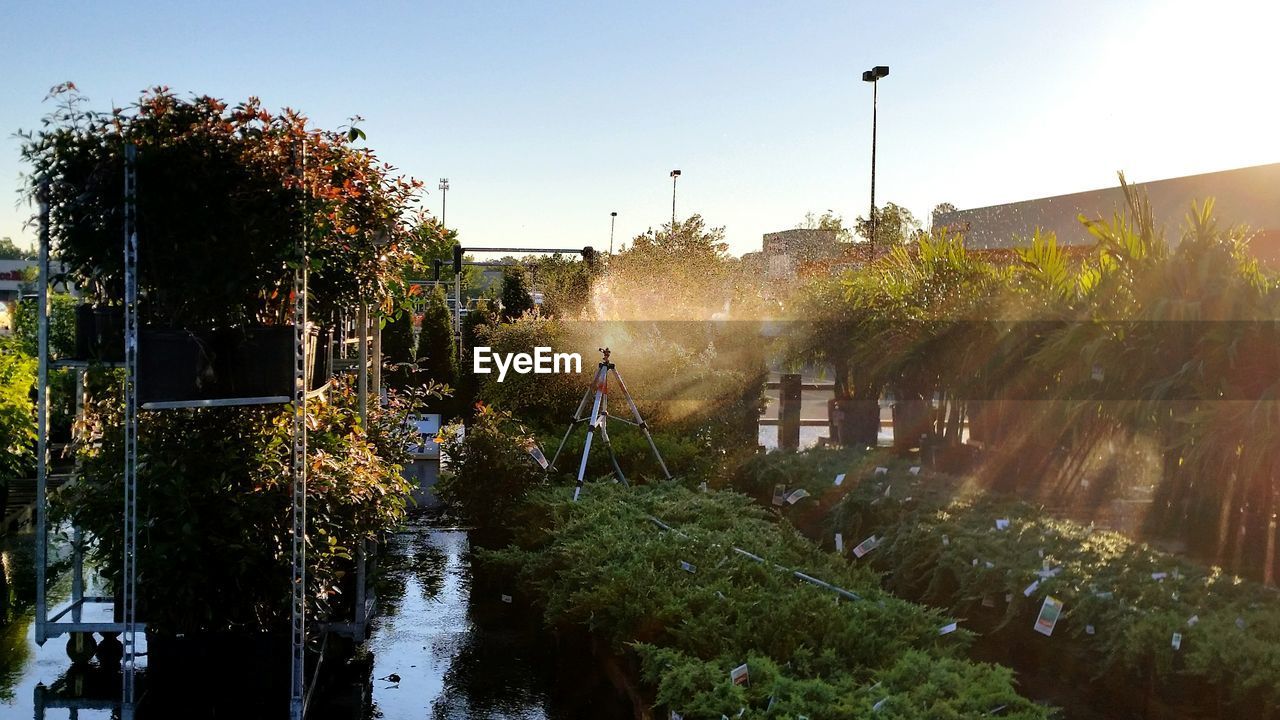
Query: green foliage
941, 545
827, 221
9, 250
224, 195
516, 300
436, 354
564, 282
17, 411
602, 564
398, 350
62, 326
215, 553
895, 226
489, 469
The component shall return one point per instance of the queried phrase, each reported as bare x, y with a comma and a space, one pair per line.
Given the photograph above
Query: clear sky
547, 116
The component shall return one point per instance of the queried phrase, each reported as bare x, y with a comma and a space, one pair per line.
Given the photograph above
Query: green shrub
489, 469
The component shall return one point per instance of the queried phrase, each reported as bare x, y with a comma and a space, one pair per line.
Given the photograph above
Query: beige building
1248, 196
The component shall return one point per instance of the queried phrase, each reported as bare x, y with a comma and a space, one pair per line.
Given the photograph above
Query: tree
827, 221
398, 350
9, 250
895, 225
565, 284
516, 298
436, 356
945, 208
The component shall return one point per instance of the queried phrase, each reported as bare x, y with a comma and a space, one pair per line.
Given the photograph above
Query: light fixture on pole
444, 191
873, 76
674, 174
613, 218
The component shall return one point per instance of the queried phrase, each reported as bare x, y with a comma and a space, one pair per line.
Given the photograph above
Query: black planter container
258, 361
99, 333
245, 674
174, 365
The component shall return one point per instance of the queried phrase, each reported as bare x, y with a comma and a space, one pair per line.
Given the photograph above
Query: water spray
598, 419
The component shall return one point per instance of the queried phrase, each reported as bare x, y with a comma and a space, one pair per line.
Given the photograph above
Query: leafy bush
17, 412
1123, 599
214, 549
602, 564
489, 470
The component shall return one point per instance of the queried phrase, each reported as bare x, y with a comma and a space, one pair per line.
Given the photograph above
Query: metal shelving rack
46, 626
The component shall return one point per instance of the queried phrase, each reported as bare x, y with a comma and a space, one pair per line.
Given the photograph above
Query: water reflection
461, 652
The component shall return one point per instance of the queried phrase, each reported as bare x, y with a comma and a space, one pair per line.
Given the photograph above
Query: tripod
598, 418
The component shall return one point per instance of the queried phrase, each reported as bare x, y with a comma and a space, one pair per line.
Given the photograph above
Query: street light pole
444, 191
873, 76
613, 218
674, 174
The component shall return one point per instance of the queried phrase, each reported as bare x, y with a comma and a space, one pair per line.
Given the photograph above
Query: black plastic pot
257, 361
99, 333
234, 672
174, 365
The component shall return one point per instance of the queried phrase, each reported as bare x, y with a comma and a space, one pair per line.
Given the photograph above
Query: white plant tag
1159, 575
882, 471
1191, 621
1002, 524
1088, 630
740, 675
797, 495
1050, 611
536, 452
840, 543
1177, 641
947, 629
839, 479
506, 599
687, 567
865, 546
1031, 588
946, 541
914, 470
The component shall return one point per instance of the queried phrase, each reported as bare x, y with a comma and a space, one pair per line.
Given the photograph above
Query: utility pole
873, 76
444, 191
674, 174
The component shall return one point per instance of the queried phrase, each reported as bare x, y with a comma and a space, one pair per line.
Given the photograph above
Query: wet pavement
457, 648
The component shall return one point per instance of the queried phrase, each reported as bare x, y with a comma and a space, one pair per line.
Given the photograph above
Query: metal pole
377, 361
613, 217
130, 570
673, 201
644, 426
298, 509
457, 316
874, 102
42, 417
602, 387
362, 380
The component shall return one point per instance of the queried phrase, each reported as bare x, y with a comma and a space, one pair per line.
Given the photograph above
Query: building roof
1248, 196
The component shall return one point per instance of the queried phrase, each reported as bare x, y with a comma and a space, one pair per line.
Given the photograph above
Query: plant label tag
913, 470
676, 716
1106, 595
779, 495
946, 541
740, 675
1159, 576
1191, 621
988, 601
882, 470
1050, 611
989, 564
720, 595
839, 480
506, 599
865, 546
879, 704
839, 543
797, 495
1088, 630
703, 486
975, 562
1031, 588
1008, 597
1084, 484
947, 629
888, 489
1177, 641
1240, 623
1002, 524
687, 567
1097, 373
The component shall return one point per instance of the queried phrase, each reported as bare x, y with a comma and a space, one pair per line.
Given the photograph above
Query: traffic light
437, 262
589, 255
457, 259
